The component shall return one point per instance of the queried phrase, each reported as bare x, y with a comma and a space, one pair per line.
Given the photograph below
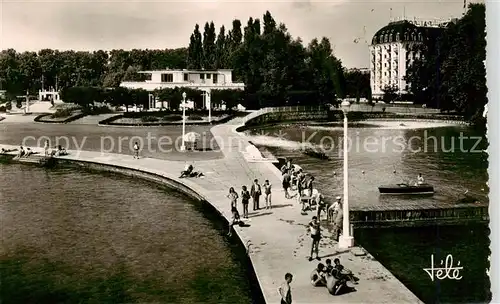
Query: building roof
401, 31
185, 71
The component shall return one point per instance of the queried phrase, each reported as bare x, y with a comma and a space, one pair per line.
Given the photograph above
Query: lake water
408, 150
377, 152
78, 237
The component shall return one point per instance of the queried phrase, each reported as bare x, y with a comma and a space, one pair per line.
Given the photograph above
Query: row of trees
452, 76
273, 65
87, 96
29, 71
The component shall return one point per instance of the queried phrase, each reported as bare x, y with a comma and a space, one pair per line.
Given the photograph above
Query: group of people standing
295, 177
256, 191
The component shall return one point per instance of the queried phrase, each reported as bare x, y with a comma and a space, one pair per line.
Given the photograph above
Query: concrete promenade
277, 239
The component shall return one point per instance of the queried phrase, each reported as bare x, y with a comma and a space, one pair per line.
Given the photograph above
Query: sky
97, 24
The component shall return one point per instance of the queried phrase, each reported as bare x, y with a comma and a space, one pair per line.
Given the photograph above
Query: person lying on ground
318, 276
29, 152
8, 150
187, 171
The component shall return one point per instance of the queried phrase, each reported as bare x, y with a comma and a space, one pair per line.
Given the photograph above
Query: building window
186, 77
390, 38
420, 38
147, 77
215, 78
209, 76
202, 76
397, 36
167, 78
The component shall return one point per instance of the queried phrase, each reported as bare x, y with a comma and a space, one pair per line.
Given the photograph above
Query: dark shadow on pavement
244, 225
334, 254
281, 206
251, 215
346, 290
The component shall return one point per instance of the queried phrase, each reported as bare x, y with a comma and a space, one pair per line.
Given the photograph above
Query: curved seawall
170, 180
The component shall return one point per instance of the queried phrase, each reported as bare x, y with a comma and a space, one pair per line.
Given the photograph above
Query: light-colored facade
50, 95
393, 50
205, 80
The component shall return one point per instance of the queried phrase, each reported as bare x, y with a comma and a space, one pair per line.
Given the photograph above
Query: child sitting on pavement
318, 276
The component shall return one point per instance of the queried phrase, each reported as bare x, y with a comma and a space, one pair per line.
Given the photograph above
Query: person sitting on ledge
62, 151
187, 171
318, 276
235, 220
21, 152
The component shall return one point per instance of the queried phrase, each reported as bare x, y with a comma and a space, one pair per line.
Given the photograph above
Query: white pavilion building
205, 80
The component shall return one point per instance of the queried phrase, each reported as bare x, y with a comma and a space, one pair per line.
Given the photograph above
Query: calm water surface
451, 173
76, 237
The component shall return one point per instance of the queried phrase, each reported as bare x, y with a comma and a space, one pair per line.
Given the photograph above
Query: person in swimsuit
267, 192
245, 200
315, 230
285, 291
318, 277
136, 150
233, 196
286, 183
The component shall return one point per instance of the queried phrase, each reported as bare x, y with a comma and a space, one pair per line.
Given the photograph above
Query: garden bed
166, 119
60, 118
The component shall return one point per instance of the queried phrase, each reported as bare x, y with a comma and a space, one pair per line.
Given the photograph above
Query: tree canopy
452, 76
275, 68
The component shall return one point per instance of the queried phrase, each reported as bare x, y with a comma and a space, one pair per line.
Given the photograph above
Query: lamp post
209, 107
183, 147
346, 240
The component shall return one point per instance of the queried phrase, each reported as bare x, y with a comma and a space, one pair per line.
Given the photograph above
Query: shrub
61, 113
172, 118
149, 119
8, 105
3, 109
194, 117
96, 110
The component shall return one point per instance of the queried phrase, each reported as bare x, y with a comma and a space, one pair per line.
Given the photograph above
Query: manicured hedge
39, 118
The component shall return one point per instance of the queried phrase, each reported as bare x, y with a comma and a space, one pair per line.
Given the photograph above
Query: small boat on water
315, 153
404, 188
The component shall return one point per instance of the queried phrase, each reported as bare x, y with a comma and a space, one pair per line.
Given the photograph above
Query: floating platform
35, 159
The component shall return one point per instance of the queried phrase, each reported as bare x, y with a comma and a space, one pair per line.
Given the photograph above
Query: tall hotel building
393, 50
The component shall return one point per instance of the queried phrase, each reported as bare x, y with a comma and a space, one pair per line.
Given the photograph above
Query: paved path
277, 238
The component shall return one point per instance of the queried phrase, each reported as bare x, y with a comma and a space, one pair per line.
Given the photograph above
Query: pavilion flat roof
184, 71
